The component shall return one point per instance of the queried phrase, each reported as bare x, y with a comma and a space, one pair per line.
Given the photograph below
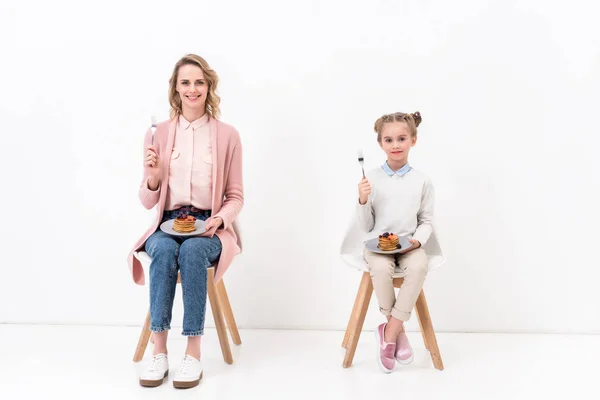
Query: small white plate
404, 244
167, 227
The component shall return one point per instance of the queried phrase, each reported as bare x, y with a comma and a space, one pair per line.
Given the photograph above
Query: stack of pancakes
184, 224
388, 241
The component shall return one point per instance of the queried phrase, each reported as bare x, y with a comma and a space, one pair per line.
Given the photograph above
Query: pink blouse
190, 171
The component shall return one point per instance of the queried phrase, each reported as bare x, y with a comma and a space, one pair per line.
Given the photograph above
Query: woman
193, 165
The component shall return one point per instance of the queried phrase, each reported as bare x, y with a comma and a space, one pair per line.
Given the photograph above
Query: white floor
52, 362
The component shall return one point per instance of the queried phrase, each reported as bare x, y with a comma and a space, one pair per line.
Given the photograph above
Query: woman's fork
153, 127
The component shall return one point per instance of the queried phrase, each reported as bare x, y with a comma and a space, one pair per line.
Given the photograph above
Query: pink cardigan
228, 191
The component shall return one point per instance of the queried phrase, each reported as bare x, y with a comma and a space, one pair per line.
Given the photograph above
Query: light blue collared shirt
401, 172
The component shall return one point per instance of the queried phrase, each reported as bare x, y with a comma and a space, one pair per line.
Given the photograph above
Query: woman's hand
151, 161
364, 190
212, 224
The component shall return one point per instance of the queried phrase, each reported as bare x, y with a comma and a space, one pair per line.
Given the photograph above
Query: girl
193, 167
396, 198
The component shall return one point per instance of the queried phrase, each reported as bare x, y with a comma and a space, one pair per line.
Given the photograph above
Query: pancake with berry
388, 241
184, 223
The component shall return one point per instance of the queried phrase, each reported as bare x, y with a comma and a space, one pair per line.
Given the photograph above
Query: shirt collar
401, 172
185, 124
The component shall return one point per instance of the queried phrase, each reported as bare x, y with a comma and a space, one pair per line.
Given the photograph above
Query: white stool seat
145, 259
357, 261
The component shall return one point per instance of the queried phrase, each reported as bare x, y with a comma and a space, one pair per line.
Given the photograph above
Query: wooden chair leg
228, 313
351, 321
143, 340
428, 332
422, 330
217, 310
365, 291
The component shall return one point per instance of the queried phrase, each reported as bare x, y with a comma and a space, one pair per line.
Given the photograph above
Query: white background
508, 91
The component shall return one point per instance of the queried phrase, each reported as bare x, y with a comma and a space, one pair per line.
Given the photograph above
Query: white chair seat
357, 261
145, 259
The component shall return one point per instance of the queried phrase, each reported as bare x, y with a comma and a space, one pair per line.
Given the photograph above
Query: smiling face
192, 88
396, 141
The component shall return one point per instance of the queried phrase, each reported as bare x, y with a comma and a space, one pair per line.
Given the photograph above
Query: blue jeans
191, 256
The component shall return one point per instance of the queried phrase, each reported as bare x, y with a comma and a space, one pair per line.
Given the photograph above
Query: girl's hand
415, 244
364, 190
212, 224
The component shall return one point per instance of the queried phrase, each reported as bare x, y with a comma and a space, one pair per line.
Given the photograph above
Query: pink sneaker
385, 351
404, 353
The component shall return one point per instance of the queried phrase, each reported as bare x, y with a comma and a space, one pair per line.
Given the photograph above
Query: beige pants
382, 266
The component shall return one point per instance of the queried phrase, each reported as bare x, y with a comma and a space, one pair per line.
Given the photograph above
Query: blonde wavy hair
412, 120
212, 99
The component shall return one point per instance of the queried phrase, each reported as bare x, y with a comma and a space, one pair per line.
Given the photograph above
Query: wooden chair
359, 311
221, 309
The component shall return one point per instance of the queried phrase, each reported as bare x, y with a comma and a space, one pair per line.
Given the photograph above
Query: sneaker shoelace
156, 362
185, 365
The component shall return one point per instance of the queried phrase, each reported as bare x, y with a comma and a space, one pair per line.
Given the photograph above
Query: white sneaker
157, 371
189, 374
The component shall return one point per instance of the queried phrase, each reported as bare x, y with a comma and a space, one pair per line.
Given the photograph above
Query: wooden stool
221, 309
359, 311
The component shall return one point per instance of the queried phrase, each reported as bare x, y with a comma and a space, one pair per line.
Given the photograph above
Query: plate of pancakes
184, 225
388, 243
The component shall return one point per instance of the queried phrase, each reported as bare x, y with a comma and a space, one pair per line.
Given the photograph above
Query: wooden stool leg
351, 321
365, 291
422, 330
228, 313
143, 340
217, 310
428, 332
